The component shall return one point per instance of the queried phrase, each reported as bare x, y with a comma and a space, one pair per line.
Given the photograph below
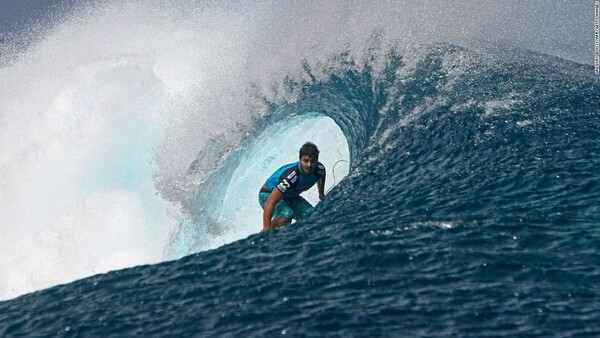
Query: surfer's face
307, 164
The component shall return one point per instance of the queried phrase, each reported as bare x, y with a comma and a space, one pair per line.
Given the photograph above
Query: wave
125, 123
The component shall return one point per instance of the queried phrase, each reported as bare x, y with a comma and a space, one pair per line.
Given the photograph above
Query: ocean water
463, 172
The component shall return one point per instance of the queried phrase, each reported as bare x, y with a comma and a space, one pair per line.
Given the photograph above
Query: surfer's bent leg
301, 207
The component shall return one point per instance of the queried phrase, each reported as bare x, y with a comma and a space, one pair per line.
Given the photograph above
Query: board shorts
295, 207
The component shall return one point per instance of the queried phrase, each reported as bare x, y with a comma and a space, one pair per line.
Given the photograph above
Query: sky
13, 12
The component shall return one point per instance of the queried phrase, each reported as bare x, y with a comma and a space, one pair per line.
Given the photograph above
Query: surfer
280, 195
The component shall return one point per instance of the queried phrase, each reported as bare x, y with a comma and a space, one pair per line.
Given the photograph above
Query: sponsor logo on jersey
292, 175
284, 185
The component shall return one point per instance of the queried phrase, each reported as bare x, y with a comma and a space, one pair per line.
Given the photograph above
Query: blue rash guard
291, 179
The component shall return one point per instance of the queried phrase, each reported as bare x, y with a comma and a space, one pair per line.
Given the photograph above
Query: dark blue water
472, 209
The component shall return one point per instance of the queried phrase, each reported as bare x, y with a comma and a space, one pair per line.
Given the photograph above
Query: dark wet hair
309, 149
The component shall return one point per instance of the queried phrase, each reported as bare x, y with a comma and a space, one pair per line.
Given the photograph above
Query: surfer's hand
322, 197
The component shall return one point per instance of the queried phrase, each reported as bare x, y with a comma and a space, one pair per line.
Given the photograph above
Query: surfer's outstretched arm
321, 187
276, 196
